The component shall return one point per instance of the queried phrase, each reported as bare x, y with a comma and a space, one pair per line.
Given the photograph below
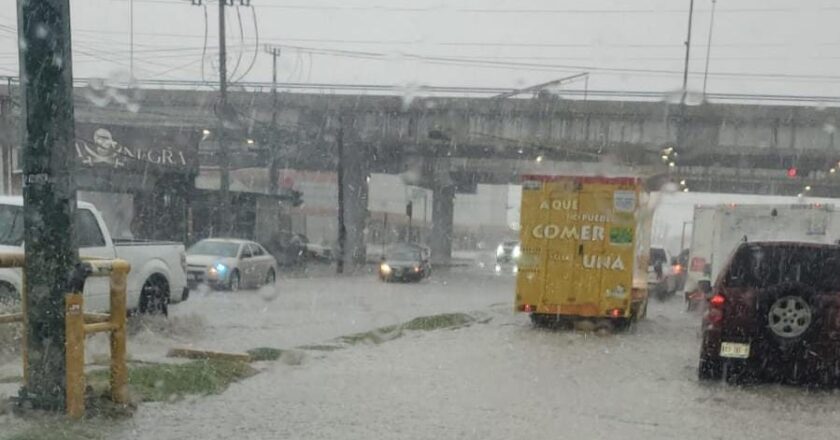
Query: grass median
167, 382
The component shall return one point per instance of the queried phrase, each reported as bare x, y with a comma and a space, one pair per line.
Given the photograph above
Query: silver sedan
226, 263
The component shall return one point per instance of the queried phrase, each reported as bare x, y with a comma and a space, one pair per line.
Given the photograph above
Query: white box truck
717, 230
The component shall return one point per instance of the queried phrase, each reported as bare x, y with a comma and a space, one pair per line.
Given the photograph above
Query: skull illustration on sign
103, 150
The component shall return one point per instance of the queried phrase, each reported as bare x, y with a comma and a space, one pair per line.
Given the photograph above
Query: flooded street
496, 378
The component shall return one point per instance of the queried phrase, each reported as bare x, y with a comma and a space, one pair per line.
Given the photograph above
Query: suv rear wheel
788, 314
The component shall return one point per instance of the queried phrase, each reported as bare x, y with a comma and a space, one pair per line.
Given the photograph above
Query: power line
241, 50
204, 47
390, 8
558, 67
256, 44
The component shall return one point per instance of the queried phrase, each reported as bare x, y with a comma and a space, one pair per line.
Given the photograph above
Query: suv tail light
716, 309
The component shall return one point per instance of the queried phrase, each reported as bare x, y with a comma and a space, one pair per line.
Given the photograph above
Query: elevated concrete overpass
450, 144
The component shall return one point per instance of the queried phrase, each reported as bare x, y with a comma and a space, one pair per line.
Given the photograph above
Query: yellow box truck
584, 249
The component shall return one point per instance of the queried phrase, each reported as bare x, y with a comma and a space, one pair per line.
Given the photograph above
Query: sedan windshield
404, 255
210, 247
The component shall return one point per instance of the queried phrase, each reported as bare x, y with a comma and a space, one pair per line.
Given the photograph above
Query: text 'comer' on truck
157, 277
584, 249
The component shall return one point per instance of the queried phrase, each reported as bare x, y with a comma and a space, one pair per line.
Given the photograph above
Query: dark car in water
775, 315
405, 262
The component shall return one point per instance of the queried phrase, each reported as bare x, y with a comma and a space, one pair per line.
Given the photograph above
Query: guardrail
79, 324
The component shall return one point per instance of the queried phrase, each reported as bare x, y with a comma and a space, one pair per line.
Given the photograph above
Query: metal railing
78, 325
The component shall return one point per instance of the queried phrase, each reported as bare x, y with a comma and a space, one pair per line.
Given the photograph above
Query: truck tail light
678, 269
527, 308
616, 313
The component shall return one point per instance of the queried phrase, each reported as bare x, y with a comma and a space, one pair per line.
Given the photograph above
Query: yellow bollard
119, 370
75, 354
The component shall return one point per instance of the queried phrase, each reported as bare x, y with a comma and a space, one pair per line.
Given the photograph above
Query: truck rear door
562, 240
592, 261
530, 280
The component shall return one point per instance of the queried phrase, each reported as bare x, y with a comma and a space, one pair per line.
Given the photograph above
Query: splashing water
268, 292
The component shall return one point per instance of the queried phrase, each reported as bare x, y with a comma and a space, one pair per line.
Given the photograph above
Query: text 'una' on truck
584, 249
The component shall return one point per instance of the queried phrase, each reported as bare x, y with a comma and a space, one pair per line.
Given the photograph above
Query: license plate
734, 350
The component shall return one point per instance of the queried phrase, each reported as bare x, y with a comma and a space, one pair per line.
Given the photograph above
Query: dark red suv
775, 315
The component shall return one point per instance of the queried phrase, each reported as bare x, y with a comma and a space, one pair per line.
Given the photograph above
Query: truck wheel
154, 297
235, 282
709, 369
622, 324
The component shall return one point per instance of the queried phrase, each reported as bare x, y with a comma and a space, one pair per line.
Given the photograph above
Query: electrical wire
241, 50
256, 44
387, 8
204, 47
475, 62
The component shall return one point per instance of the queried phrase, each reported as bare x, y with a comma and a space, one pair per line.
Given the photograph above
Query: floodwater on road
499, 380
494, 379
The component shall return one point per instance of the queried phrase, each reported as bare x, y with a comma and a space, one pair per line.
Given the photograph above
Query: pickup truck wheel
154, 297
234, 284
9, 298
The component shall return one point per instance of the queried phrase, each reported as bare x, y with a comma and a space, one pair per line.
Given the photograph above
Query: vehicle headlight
500, 251
417, 268
217, 269
385, 269
517, 251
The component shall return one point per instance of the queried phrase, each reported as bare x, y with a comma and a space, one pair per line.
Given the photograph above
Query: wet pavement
496, 379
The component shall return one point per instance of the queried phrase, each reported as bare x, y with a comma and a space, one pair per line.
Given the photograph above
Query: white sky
766, 37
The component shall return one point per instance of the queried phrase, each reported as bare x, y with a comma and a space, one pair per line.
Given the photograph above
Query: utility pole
709, 48
49, 197
275, 145
342, 229
221, 112
687, 49
222, 210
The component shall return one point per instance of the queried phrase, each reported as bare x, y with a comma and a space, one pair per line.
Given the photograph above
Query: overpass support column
443, 212
356, 172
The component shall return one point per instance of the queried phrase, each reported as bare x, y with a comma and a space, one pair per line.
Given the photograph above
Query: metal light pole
709, 47
49, 196
342, 230
687, 48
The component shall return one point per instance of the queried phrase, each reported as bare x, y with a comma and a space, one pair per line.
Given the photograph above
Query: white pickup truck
158, 269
